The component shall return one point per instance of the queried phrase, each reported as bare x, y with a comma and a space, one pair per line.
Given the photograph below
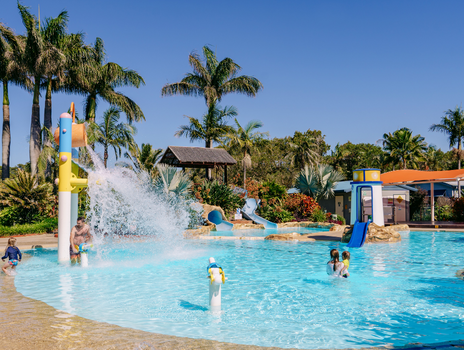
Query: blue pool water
277, 294
264, 233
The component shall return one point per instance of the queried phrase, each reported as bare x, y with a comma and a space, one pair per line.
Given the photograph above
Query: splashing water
127, 207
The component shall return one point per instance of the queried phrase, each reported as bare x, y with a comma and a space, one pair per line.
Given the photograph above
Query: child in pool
12, 252
346, 262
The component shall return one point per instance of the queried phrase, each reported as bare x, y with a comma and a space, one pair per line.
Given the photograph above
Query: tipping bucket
79, 135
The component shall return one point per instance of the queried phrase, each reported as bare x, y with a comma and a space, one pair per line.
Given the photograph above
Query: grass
47, 225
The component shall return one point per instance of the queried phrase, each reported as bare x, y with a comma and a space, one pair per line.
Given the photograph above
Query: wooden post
225, 174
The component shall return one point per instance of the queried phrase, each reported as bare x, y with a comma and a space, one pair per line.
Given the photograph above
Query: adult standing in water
79, 234
334, 266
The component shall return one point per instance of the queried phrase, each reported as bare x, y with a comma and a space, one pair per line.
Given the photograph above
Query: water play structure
248, 211
67, 136
365, 180
216, 277
221, 225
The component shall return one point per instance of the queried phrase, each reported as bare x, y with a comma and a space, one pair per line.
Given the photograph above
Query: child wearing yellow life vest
346, 262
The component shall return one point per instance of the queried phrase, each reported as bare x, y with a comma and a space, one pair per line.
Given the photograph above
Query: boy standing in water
79, 234
346, 262
11, 252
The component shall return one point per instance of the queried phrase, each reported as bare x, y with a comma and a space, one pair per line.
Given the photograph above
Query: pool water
278, 293
264, 233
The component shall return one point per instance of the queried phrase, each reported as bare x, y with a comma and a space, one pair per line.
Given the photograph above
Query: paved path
46, 240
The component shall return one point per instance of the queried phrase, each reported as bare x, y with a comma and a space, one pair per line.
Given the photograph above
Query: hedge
47, 225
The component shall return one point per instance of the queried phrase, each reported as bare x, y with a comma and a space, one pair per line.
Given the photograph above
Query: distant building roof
196, 157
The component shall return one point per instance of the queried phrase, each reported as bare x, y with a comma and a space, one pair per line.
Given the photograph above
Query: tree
111, 134
306, 148
243, 139
404, 148
12, 70
452, 124
318, 181
212, 128
41, 59
212, 79
98, 80
142, 158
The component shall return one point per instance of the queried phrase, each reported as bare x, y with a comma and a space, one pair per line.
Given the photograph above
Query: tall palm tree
303, 153
98, 80
12, 70
452, 124
318, 181
142, 158
212, 79
110, 133
243, 139
42, 59
402, 147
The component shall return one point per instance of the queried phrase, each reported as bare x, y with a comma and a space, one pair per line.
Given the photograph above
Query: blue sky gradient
352, 69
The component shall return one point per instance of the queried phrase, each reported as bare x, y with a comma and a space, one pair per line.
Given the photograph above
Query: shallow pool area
264, 233
277, 294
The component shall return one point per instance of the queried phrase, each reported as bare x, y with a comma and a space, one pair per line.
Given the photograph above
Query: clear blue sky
352, 69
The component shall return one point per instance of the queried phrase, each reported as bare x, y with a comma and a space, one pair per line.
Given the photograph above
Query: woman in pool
334, 266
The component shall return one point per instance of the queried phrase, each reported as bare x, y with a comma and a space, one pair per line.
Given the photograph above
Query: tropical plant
319, 215
142, 158
28, 201
318, 181
306, 148
300, 205
215, 193
212, 128
41, 59
110, 133
452, 124
243, 139
44, 226
404, 148
212, 79
275, 214
48, 162
98, 80
173, 181
12, 70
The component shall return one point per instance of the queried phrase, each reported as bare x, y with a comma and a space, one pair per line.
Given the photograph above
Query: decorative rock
294, 236
460, 274
378, 234
338, 227
208, 209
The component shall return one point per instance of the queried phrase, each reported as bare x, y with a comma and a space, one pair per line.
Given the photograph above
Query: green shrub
342, 219
221, 195
319, 216
458, 210
47, 225
272, 190
275, 214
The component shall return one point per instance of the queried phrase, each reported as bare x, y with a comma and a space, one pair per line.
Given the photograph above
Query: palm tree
212, 128
142, 158
212, 79
303, 153
402, 147
318, 181
98, 80
243, 139
13, 71
452, 124
111, 134
173, 181
41, 59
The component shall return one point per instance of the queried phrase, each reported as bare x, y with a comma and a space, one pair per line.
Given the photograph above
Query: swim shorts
72, 253
13, 262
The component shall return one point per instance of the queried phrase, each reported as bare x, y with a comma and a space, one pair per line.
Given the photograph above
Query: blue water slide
358, 236
248, 211
221, 225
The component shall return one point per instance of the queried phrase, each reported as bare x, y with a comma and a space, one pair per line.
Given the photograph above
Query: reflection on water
66, 295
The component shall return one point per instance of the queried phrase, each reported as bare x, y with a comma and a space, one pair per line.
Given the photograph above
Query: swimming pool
277, 294
264, 233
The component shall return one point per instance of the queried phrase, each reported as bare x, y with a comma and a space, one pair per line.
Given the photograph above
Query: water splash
126, 207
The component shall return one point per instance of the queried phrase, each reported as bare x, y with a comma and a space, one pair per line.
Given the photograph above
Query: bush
319, 216
215, 193
300, 205
272, 190
341, 219
47, 225
458, 210
275, 214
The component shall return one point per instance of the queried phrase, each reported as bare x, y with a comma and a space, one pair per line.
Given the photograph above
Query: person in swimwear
79, 234
334, 266
13, 254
